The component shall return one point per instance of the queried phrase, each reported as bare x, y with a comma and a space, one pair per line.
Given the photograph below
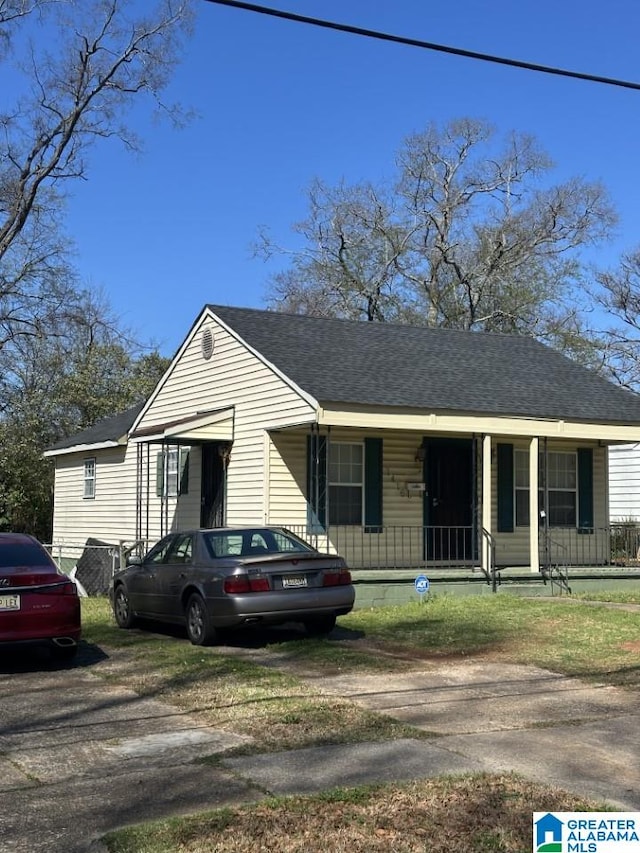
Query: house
398, 446
624, 483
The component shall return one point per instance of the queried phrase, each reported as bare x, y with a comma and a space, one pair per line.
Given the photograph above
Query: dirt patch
631, 647
422, 656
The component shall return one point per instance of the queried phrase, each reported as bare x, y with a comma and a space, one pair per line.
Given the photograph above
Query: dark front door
448, 508
213, 486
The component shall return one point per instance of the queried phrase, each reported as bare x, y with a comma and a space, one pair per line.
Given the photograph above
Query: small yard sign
422, 584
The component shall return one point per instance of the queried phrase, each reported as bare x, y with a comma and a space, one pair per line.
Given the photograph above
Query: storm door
213, 485
449, 499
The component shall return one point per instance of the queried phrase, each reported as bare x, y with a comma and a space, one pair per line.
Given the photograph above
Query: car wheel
200, 630
317, 626
122, 608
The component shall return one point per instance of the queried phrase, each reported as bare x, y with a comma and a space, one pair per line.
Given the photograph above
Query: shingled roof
438, 370
107, 430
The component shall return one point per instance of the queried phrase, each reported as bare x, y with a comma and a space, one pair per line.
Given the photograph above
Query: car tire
122, 608
319, 626
200, 629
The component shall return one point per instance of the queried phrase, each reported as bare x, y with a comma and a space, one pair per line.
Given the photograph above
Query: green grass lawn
230, 688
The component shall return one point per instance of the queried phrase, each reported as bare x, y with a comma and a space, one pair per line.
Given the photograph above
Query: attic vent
207, 344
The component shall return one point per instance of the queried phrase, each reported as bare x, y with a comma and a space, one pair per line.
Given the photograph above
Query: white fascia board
85, 448
294, 387
193, 428
431, 422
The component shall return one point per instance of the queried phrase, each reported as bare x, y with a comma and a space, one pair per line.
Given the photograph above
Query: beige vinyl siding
624, 483
234, 376
111, 514
173, 512
512, 549
401, 540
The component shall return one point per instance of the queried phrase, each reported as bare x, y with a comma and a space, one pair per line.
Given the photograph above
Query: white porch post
486, 501
534, 509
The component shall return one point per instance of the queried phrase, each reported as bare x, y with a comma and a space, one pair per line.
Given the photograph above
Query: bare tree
619, 295
468, 236
82, 66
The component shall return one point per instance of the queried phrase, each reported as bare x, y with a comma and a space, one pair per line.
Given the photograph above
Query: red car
39, 605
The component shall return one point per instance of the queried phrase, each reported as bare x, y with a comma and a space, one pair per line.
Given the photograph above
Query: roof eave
86, 448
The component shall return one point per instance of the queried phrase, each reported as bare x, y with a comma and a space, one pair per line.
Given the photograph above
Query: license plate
9, 602
294, 582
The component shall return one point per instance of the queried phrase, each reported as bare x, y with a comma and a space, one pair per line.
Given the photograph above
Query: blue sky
280, 103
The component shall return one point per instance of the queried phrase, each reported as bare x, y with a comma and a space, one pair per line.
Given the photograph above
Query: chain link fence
92, 564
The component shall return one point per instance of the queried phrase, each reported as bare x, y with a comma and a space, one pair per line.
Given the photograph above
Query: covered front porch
395, 492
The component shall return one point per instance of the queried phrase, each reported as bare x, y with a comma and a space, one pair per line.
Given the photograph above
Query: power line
426, 45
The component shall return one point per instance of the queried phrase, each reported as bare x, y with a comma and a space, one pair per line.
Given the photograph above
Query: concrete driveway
80, 755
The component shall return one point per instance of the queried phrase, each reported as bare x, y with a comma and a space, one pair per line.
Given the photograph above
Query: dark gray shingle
109, 429
382, 364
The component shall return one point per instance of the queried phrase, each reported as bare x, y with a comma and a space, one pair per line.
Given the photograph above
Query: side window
172, 472
159, 551
89, 478
562, 487
180, 549
346, 483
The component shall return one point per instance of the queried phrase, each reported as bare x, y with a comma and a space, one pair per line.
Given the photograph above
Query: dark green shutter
505, 488
160, 474
316, 482
585, 490
183, 471
373, 485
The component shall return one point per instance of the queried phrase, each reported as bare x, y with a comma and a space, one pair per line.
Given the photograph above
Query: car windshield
245, 543
20, 554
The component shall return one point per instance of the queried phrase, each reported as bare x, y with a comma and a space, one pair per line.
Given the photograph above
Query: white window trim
517, 489
171, 466
89, 483
330, 482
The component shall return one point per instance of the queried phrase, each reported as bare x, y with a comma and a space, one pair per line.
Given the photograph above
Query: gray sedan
208, 580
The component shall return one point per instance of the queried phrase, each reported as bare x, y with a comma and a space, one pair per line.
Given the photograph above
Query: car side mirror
134, 560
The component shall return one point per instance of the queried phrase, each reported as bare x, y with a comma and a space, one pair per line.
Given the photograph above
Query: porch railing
398, 546
392, 547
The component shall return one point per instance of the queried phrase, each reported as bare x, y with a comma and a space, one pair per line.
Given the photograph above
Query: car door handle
183, 575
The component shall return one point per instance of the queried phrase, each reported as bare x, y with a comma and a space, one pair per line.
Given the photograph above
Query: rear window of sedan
20, 554
247, 543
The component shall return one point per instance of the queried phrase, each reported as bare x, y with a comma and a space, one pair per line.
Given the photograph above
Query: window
521, 480
172, 472
562, 482
89, 478
346, 480
180, 550
226, 544
344, 483
158, 553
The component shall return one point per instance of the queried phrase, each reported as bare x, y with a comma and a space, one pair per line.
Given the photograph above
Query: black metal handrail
490, 571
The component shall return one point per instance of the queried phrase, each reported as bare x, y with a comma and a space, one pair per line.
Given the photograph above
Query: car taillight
65, 588
339, 578
237, 584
